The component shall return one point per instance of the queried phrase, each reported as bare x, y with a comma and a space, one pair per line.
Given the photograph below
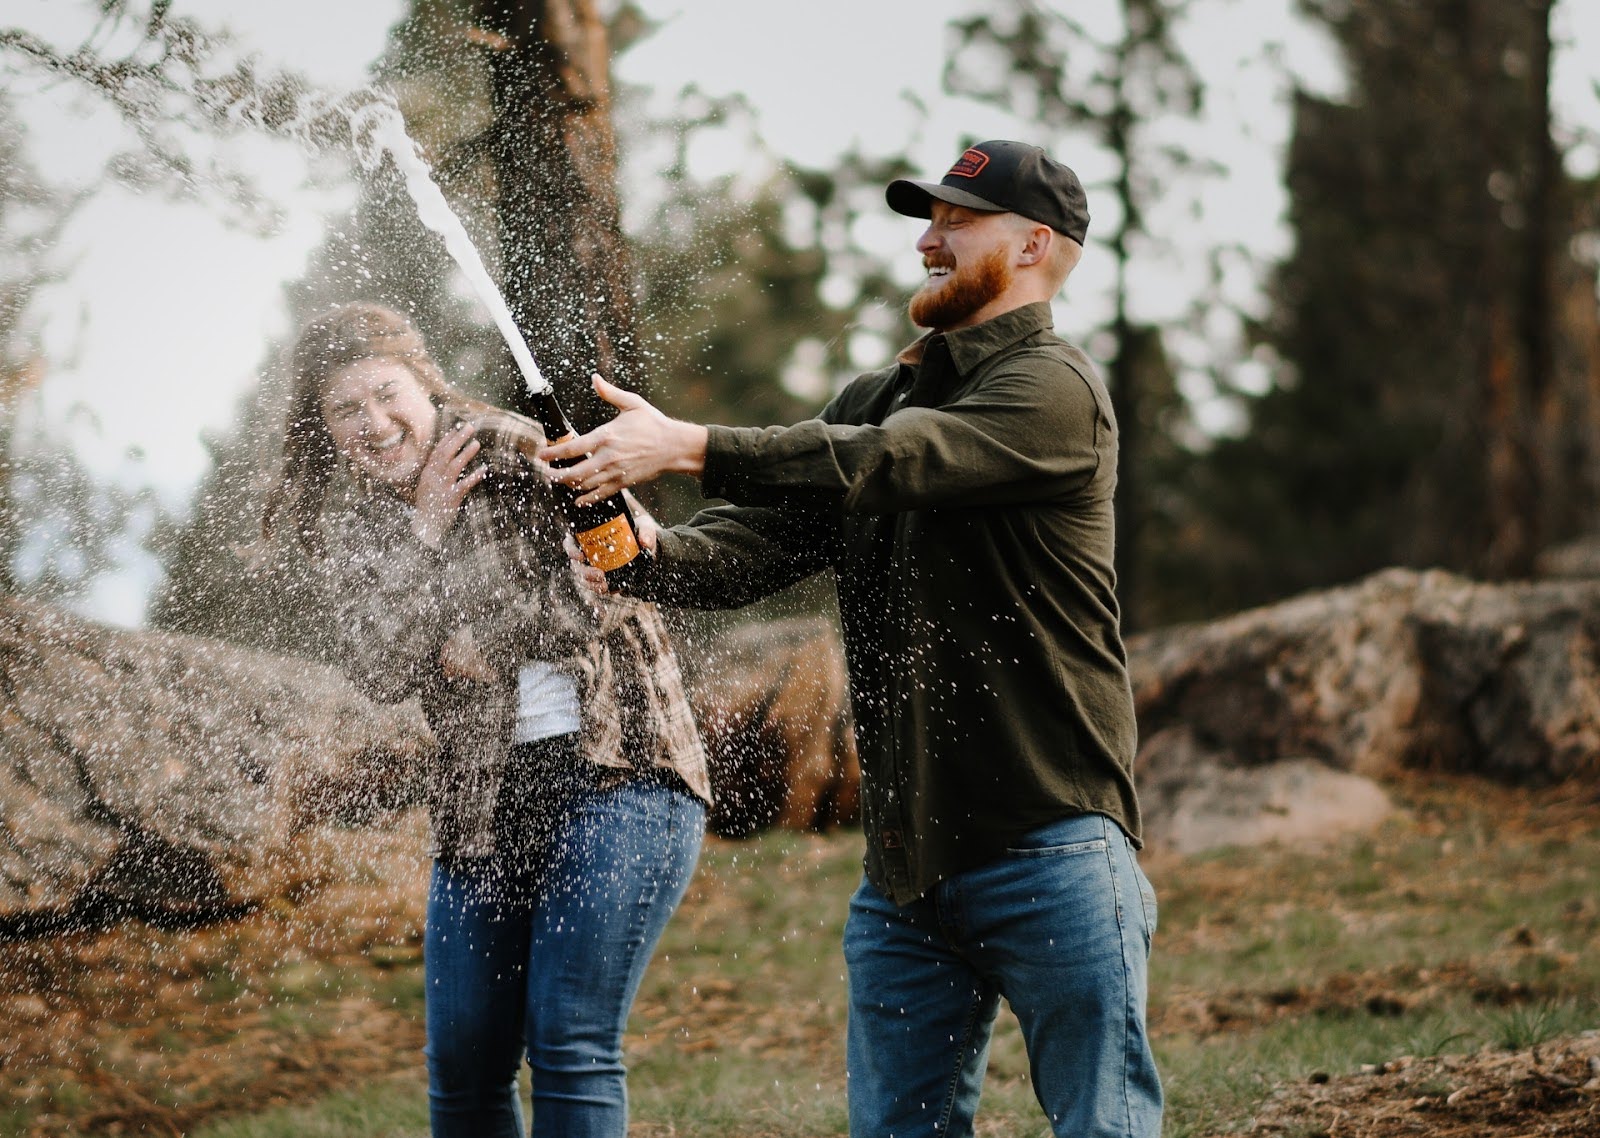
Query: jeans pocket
1080, 834
1059, 849
1147, 894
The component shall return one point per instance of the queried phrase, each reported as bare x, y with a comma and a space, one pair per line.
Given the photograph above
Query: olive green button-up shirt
963, 497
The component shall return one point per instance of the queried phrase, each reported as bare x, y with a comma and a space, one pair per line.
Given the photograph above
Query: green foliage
1528, 1025
752, 297
734, 315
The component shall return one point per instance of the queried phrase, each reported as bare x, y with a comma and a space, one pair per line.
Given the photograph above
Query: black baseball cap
1002, 177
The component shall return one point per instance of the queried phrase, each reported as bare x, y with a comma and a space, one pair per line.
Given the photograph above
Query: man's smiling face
968, 254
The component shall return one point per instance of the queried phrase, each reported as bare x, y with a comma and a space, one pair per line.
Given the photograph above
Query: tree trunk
1537, 310
566, 265
1521, 364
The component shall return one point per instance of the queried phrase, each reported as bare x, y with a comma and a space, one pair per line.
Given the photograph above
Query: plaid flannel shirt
502, 573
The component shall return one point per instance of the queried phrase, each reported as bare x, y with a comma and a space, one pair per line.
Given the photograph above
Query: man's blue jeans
544, 957
1060, 926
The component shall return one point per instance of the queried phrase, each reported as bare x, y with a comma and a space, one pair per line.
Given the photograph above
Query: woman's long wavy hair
333, 341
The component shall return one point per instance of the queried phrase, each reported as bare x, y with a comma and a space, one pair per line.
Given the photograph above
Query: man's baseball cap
1002, 177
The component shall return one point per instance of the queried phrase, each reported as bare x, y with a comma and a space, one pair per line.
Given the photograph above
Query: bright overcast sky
165, 313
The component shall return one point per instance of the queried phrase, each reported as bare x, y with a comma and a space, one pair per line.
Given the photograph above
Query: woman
567, 799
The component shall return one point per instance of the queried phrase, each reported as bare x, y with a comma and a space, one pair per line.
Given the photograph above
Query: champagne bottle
604, 530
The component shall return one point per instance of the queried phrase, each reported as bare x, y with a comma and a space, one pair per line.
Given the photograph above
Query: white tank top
547, 702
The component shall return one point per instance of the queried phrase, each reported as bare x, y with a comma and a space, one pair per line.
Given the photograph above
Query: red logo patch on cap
969, 165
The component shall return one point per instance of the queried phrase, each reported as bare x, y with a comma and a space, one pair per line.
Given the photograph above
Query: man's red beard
964, 291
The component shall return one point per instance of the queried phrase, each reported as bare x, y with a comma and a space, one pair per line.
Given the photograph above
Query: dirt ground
1552, 1091
142, 1030
275, 1008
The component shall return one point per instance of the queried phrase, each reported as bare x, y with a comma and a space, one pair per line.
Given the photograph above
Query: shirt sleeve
388, 607
1033, 431
541, 612
731, 556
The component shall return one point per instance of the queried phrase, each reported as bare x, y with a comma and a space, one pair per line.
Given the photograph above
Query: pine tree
1432, 410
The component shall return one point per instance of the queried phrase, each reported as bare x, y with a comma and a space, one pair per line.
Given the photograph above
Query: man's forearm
728, 557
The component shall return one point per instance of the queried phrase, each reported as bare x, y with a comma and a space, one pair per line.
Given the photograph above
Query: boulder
773, 704
1196, 800
170, 775
1401, 670
1279, 722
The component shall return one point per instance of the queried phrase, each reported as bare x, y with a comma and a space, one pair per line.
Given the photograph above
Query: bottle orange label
609, 546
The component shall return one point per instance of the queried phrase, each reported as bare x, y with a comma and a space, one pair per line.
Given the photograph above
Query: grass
392, 1109
1467, 922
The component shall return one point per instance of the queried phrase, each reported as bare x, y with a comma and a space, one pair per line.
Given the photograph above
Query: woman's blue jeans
539, 951
1059, 926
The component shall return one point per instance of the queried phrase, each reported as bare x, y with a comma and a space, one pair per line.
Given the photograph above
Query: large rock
1401, 670
1195, 799
772, 701
170, 775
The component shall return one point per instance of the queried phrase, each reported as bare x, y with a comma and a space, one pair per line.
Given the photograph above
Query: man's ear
1036, 250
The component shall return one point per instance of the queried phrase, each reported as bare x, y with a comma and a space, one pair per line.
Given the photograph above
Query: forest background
1366, 337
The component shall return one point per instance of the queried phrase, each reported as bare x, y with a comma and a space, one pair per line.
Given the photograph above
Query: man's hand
442, 485
639, 445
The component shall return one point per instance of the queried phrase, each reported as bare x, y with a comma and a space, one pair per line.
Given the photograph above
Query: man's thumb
618, 397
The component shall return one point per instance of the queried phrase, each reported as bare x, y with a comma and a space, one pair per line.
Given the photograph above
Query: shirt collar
969, 347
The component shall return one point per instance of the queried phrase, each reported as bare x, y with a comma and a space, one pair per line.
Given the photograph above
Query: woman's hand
595, 579
644, 523
639, 445
442, 486
460, 658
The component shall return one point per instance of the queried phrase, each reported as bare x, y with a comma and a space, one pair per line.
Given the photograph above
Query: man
963, 497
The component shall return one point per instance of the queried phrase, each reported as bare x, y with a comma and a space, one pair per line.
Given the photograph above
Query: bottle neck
550, 415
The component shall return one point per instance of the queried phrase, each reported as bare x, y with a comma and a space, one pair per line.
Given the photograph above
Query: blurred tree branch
175, 85
32, 216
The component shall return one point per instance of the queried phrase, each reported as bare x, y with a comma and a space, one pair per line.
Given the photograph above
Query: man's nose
929, 241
